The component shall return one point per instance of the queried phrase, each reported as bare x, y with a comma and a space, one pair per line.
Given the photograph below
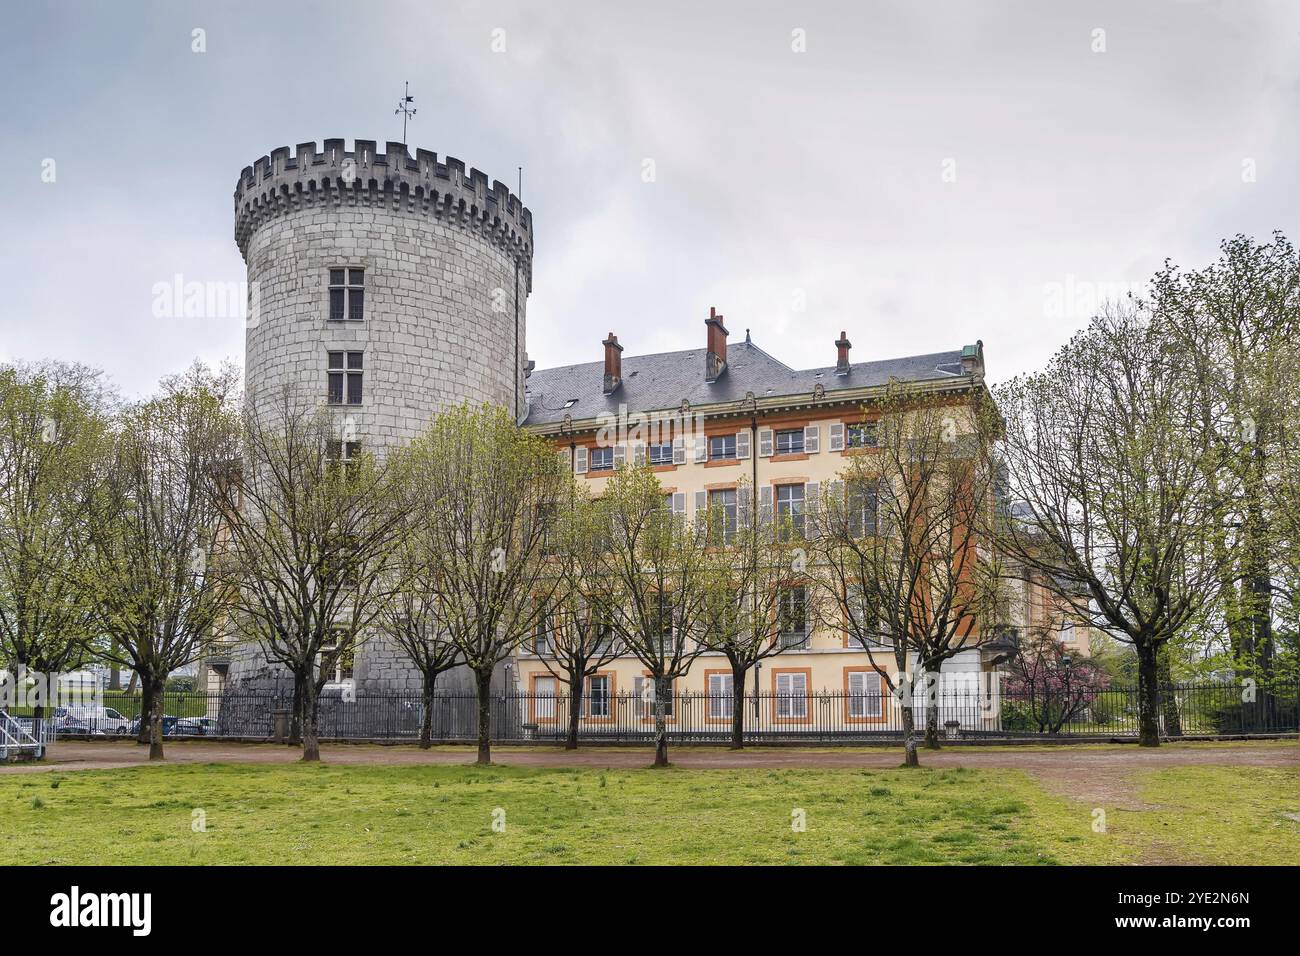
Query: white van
100, 719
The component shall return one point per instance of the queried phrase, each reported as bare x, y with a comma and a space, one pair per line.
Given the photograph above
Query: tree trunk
932, 741
298, 709
426, 724
910, 757
737, 707
310, 722
1148, 694
575, 709
1169, 702
155, 721
663, 688
483, 681
930, 683
19, 675
144, 734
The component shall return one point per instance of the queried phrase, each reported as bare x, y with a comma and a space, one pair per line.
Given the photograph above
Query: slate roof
660, 381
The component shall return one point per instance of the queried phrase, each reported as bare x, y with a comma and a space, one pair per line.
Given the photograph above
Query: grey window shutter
679, 451
742, 444
638, 454
744, 501
837, 436
812, 439
679, 502
701, 449
701, 503
835, 499
620, 455
765, 443
765, 503
812, 495
580, 460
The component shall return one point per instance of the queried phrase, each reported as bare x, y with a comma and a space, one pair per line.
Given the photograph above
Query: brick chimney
715, 357
613, 364
842, 346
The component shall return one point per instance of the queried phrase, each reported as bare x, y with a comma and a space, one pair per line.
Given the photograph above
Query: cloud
778, 174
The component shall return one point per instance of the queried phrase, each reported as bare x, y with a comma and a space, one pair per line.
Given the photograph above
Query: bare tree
410, 616
153, 531
53, 426
577, 638
1107, 463
653, 570
752, 565
902, 547
311, 528
483, 486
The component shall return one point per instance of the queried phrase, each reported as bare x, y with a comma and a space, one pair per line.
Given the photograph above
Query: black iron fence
967, 711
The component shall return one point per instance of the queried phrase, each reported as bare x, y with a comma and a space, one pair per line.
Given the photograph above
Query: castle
391, 287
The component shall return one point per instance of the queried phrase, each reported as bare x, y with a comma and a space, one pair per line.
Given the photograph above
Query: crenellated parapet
335, 176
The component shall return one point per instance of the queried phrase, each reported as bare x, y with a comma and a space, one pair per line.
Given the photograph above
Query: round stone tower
386, 288
406, 277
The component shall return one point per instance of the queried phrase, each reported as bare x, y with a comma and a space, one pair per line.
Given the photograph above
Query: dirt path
1101, 775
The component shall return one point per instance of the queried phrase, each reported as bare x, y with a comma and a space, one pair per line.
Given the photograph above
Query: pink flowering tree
1053, 687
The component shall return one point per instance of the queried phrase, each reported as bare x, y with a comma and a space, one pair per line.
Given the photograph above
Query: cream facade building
756, 423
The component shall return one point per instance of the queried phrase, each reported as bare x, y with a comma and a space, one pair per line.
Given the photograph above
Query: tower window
345, 377
341, 455
347, 295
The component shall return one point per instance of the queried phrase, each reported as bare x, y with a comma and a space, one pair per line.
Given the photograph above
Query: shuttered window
866, 697
598, 695
789, 441
791, 695
720, 696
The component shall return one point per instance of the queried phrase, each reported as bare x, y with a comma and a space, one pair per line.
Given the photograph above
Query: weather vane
406, 109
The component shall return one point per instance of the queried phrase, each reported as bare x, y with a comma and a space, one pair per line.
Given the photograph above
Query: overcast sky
919, 174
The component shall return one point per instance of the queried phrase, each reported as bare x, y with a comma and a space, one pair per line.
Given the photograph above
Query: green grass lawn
1215, 815
444, 814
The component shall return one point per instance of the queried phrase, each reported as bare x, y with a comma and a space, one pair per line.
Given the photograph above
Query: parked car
197, 726
168, 725
65, 723
103, 719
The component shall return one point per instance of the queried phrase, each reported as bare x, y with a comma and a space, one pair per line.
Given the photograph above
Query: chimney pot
842, 346
613, 365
